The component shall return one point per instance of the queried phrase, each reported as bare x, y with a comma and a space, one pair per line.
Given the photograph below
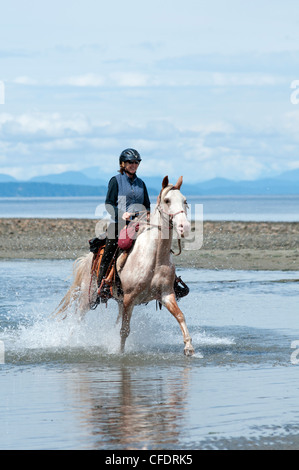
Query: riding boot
104, 292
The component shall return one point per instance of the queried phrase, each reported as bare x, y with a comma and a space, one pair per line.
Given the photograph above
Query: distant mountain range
75, 183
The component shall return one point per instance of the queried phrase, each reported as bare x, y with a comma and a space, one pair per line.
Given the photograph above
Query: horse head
173, 203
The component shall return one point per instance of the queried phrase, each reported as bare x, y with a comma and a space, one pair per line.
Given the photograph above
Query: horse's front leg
171, 304
127, 309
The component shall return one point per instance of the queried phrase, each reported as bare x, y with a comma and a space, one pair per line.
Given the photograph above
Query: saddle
126, 240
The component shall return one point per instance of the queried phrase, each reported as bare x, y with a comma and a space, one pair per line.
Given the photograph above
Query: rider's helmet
128, 155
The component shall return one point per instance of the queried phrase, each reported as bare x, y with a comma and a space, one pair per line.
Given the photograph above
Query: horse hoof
189, 352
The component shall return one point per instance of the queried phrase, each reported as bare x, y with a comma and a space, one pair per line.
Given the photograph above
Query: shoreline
226, 244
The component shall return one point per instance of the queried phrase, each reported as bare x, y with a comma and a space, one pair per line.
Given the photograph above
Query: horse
148, 272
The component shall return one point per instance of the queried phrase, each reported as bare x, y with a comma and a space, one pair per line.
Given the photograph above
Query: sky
202, 88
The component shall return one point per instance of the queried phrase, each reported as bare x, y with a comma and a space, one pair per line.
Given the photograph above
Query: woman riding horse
126, 195
148, 273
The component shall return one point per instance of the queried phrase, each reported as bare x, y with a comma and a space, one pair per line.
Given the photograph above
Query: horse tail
81, 275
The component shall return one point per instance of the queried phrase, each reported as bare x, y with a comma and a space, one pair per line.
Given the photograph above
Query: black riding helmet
128, 155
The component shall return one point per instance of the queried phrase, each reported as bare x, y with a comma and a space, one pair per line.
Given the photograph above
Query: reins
162, 211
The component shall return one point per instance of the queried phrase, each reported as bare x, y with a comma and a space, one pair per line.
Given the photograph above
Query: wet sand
226, 245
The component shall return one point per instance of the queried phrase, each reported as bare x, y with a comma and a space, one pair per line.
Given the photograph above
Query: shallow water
243, 208
64, 385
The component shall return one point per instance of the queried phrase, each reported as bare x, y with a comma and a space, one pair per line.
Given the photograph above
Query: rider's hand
126, 215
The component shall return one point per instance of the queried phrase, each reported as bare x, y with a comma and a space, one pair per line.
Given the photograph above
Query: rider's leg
111, 245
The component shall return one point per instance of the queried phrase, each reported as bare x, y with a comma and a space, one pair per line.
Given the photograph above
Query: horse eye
167, 200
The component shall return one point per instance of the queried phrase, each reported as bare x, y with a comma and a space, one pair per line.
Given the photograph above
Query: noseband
171, 216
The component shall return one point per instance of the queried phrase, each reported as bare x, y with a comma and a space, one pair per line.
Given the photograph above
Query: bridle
171, 216
162, 211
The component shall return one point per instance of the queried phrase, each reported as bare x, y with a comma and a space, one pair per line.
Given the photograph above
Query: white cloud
187, 87
159, 78
246, 79
59, 144
207, 128
294, 165
48, 124
36, 141
130, 79
23, 80
87, 80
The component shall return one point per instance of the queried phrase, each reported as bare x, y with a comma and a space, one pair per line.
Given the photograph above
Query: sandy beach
226, 245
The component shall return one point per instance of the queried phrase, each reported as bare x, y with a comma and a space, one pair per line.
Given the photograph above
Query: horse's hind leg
171, 304
126, 308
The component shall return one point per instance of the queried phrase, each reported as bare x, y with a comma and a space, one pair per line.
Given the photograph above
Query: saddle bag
127, 236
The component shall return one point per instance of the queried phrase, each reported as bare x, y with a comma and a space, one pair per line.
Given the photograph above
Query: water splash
35, 335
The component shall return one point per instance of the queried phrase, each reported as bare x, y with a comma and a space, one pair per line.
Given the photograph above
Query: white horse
148, 273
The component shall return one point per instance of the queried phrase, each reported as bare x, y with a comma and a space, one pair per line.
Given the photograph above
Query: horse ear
178, 183
165, 182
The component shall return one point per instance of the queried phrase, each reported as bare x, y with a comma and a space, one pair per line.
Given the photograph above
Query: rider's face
131, 167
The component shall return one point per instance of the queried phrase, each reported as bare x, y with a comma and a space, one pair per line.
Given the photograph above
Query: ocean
65, 385
241, 208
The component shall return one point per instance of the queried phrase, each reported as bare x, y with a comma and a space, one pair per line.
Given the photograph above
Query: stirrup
178, 290
103, 295
104, 292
